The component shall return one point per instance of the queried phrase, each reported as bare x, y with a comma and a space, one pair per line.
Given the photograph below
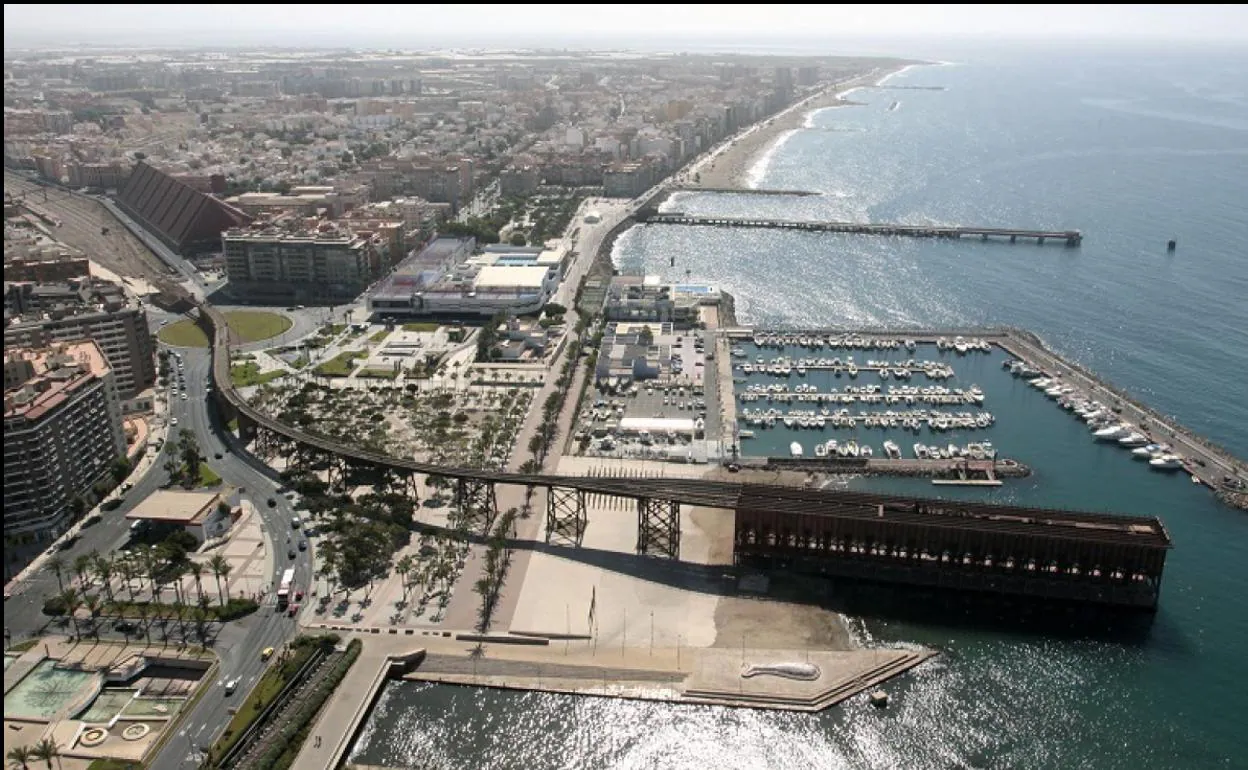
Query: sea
1134, 147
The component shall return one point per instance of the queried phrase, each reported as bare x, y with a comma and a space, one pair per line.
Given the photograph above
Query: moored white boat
795, 449
1166, 462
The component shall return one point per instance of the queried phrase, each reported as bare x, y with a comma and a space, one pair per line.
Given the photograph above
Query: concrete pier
1068, 237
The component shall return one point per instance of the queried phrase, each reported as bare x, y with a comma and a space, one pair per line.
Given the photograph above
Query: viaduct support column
475, 505
658, 527
565, 515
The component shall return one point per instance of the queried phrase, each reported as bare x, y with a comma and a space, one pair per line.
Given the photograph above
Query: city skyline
644, 25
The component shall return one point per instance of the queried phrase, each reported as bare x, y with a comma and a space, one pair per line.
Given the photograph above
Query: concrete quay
1210, 465
703, 676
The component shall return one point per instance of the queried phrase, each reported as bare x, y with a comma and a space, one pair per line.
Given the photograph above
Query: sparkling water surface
1133, 149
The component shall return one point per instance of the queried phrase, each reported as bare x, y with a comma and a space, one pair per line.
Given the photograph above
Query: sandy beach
728, 166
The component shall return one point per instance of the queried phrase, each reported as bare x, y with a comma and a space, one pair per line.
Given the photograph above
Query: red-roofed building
62, 432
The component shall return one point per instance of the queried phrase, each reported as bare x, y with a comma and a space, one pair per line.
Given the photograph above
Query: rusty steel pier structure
966, 546
978, 547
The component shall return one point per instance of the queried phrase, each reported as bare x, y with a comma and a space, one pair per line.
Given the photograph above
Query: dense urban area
412, 254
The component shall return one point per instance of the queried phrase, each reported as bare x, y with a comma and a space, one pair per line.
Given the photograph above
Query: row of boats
914, 420
819, 341
851, 448
784, 366
864, 394
1102, 420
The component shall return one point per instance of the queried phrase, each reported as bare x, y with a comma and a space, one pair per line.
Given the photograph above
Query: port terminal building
450, 278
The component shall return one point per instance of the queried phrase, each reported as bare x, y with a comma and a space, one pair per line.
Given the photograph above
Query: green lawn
207, 476
249, 373
104, 763
421, 327
340, 365
377, 373
184, 334
248, 325
379, 336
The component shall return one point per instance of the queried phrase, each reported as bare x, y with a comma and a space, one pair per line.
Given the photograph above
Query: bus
283, 591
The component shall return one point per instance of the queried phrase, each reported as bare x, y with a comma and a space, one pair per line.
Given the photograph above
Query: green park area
247, 325
340, 365
418, 326
248, 373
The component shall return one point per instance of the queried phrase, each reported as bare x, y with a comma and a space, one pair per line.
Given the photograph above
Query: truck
284, 588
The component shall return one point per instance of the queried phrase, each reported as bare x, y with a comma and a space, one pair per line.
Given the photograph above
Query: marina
791, 384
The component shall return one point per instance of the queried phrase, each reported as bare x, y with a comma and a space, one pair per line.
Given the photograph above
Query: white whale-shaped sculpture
804, 671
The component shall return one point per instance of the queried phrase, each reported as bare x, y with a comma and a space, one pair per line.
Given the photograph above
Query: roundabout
246, 325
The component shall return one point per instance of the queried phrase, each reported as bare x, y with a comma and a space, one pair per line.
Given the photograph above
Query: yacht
892, 450
821, 450
920, 451
864, 451
795, 449
1133, 439
1110, 433
1146, 452
1166, 462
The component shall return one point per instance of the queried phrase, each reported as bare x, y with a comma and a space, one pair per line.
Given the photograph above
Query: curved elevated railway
1053, 554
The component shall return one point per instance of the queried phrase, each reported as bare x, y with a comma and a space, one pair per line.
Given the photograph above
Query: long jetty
693, 188
1069, 237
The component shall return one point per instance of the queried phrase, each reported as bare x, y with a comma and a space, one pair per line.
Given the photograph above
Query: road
241, 643
238, 644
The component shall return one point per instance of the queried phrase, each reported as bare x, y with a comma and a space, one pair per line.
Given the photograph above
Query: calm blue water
1132, 149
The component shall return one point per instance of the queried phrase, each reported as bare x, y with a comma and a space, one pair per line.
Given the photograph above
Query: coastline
730, 166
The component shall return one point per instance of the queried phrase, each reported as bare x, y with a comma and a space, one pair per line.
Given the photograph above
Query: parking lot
678, 393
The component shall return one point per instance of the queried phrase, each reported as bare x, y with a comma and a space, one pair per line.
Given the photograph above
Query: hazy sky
431, 25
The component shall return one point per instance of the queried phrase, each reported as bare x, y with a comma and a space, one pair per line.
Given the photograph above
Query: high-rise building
39, 315
62, 433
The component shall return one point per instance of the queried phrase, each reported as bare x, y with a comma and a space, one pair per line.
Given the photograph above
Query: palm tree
126, 566
220, 568
20, 756
173, 468
105, 570
57, 564
83, 565
71, 601
142, 611
404, 568
47, 750
93, 602
196, 570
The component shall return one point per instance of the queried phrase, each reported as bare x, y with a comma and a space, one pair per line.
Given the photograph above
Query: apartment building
62, 432
302, 261
40, 315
